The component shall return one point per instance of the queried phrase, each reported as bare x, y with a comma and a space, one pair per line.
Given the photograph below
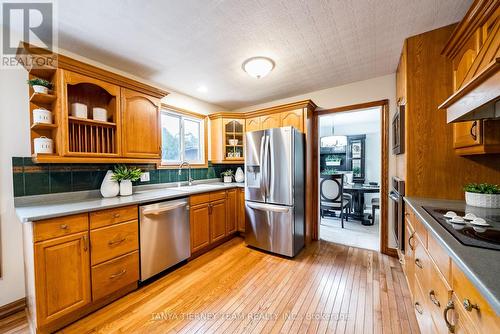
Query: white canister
79, 110
44, 145
239, 176
109, 188
99, 114
42, 116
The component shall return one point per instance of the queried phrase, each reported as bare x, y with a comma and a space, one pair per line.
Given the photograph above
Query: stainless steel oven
396, 207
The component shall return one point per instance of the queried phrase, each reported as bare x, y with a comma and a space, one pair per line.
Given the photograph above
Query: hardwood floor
328, 288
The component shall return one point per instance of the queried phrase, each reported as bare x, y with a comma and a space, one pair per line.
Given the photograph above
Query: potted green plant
485, 195
228, 176
126, 175
356, 171
40, 85
329, 171
333, 160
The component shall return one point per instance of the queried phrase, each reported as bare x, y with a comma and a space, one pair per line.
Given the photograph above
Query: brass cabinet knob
419, 263
432, 297
419, 308
64, 227
468, 306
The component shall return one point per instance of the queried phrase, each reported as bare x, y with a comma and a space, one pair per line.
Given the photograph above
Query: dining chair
375, 206
332, 199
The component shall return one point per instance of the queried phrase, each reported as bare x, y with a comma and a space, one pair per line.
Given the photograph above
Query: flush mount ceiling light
202, 89
258, 67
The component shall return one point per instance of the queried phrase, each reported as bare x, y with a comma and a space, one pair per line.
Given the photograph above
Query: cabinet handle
468, 306
64, 227
407, 214
410, 238
121, 273
419, 308
115, 242
419, 264
432, 297
116, 215
473, 130
85, 243
401, 262
449, 306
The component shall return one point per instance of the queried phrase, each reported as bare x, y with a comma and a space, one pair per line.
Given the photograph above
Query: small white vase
228, 179
40, 89
109, 188
125, 188
483, 200
239, 176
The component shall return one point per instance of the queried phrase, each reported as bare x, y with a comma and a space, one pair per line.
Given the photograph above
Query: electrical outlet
145, 177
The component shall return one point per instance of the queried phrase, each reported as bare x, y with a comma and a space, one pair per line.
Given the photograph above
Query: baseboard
11, 308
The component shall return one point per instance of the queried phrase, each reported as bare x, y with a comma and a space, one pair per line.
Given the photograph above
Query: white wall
14, 141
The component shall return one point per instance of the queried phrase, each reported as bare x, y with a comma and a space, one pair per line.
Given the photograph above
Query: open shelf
44, 72
90, 121
43, 126
44, 99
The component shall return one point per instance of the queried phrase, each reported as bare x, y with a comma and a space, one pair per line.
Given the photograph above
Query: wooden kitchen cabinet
62, 272
217, 220
252, 124
199, 219
231, 211
227, 138
241, 209
293, 118
270, 121
140, 115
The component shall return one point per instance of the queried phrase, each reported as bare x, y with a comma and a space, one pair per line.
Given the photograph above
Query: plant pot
483, 200
109, 188
40, 89
125, 188
228, 179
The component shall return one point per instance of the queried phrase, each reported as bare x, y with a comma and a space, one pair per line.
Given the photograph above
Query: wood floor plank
327, 288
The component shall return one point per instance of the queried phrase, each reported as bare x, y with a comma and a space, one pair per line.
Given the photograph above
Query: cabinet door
200, 226
217, 220
270, 121
467, 134
241, 210
293, 118
62, 271
252, 124
410, 258
140, 125
231, 211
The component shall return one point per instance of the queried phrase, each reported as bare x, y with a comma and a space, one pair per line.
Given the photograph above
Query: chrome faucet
185, 163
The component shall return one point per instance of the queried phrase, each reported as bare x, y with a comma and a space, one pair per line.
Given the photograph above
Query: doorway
350, 175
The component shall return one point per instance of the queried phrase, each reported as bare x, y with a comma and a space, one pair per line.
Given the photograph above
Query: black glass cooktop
468, 234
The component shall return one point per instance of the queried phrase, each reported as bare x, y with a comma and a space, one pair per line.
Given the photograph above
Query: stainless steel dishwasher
164, 236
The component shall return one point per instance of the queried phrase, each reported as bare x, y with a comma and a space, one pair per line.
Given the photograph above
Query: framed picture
398, 131
356, 149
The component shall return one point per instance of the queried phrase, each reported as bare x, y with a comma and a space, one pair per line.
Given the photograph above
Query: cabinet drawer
217, 195
58, 227
438, 294
473, 304
199, 199
113, 216
113, 275
420, 230
440, 257
422, 264
112, 241
421, 310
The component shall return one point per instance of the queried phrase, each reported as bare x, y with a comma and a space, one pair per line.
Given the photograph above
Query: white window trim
181, 118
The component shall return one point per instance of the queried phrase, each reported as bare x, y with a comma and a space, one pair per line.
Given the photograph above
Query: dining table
358, 191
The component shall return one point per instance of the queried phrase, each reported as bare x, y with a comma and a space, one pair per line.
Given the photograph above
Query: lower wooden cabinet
217, 210
241, 209
199, 219
445, 301
231, 211
71, 269
62, 273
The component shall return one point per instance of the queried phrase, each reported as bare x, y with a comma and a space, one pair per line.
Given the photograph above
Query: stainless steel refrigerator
274, 190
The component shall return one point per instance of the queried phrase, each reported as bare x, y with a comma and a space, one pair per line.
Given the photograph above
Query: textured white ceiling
183, 44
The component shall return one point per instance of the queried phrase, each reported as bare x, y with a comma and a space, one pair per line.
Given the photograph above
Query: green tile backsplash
38, 179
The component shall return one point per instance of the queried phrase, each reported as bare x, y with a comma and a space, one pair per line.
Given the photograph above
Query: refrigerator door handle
265, 166
267, 207
262, 164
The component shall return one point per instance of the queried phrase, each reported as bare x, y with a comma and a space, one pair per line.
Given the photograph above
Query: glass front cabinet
227, 139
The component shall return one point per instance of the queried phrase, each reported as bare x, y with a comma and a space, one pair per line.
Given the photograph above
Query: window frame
183, 114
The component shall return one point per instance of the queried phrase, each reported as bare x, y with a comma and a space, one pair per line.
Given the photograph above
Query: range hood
478, 99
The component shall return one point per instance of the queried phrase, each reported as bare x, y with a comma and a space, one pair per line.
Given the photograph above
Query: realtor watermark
29, 35
240, 316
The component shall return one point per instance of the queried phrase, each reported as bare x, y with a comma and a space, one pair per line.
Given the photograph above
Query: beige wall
14, 141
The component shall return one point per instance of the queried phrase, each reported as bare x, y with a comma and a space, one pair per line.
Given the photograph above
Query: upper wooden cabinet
140, 125
270, 121
253, 124
129, 133
474, 49
227, 135
293, 118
